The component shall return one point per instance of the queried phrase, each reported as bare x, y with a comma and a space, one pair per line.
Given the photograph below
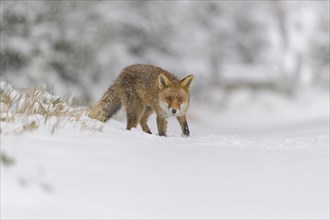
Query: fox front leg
184, 125
162, 125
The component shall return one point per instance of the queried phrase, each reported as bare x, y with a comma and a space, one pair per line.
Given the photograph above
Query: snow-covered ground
263, 156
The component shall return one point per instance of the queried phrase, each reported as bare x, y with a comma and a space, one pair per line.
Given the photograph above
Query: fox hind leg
143, 122
133, 118
134, 110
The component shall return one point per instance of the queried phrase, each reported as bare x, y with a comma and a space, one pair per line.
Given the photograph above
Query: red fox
143, 89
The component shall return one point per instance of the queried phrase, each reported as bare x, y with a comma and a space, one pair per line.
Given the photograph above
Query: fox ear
163, 81
186, 82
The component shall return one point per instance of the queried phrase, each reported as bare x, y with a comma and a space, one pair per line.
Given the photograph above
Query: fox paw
185, 135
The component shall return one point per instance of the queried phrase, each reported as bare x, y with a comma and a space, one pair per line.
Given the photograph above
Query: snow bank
261, 167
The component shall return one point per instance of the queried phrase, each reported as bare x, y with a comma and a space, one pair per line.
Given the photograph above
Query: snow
261, 157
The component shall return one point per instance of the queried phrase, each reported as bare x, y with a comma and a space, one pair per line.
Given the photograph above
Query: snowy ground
265, 158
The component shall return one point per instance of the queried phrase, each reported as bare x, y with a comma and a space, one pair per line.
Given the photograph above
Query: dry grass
40, 105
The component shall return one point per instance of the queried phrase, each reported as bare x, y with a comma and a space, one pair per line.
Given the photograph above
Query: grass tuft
29, 107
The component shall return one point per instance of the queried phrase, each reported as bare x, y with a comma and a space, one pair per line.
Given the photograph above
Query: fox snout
178, 111
173, 111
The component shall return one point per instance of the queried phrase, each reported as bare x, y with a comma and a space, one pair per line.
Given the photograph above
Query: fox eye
179, 99
169, 98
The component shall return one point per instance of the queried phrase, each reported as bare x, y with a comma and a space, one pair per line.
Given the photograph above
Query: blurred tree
80, 46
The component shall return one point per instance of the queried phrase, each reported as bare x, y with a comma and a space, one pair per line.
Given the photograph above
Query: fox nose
173, 111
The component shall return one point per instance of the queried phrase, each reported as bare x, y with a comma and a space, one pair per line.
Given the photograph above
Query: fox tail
109, 104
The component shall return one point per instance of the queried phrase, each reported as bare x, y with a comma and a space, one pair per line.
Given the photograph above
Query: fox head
174, 96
